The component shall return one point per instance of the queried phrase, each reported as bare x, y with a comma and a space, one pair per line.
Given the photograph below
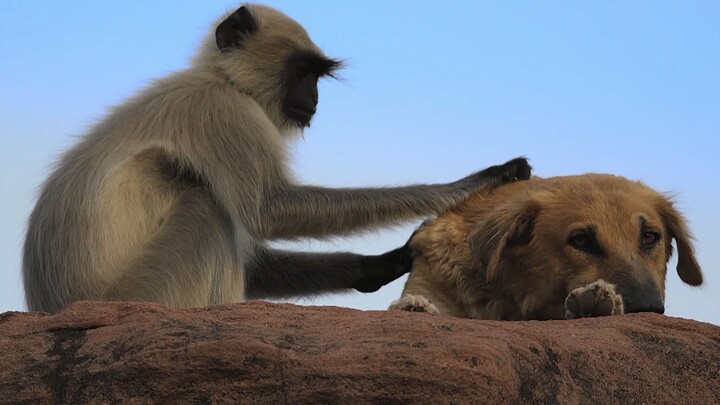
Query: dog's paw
595, 299
414, 303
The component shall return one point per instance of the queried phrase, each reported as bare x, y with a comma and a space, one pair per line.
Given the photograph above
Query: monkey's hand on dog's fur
383, 269
595, 299
513, 170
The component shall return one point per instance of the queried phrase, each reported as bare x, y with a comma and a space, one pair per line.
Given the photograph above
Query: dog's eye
650, 238
579, 241
584, 241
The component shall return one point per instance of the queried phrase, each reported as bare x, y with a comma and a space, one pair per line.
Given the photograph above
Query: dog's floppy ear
688, 268
507, 226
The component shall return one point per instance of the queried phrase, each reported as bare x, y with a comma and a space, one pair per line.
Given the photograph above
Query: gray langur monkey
173, 196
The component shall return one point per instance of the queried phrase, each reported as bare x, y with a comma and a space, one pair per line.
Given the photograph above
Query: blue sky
432, 92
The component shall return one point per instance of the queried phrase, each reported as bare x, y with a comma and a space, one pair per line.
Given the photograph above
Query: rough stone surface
259, 352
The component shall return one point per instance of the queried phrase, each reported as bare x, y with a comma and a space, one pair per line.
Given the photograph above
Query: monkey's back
58, 235
100, 204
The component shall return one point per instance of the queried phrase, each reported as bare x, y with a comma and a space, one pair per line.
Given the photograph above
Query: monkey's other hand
513, 170
380, 270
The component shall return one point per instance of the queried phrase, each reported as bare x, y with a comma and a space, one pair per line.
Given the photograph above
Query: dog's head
540, 239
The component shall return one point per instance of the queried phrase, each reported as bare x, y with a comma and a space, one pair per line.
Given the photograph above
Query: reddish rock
258, 352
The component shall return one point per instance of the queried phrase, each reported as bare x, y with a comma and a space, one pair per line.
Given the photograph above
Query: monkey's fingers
516, 169
524, 170
512, 170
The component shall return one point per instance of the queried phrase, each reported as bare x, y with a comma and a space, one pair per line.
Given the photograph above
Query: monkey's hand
380, 270
513, 170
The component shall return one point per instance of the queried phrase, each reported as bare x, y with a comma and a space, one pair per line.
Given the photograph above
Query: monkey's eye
301, 69
650, 238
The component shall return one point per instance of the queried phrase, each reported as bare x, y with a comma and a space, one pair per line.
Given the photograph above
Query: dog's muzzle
641, 296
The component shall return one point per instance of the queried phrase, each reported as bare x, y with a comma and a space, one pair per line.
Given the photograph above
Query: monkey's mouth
299, 114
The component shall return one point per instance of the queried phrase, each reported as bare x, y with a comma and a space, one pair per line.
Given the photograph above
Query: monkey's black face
301, 72
301, 79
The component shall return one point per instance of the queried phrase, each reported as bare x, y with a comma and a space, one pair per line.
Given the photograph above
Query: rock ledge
257, 352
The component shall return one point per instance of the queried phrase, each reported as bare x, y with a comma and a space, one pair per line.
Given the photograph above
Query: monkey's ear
235, 29
687, 267
509, 226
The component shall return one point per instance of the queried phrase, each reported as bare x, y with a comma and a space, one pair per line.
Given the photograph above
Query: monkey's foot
414, 303
595, 299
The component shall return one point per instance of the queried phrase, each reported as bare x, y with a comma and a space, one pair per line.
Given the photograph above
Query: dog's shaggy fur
553, 248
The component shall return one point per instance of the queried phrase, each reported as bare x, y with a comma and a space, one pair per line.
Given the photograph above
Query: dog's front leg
595, 299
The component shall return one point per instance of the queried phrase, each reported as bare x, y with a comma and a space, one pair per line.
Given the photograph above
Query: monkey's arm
281, 273
298, 210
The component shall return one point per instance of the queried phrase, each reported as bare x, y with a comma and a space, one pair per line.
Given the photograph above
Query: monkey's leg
189, 262
281, 273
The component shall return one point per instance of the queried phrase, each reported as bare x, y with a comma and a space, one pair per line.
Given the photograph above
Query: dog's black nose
646, 301
641, 297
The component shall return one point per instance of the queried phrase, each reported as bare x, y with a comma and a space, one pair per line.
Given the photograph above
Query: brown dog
561, 247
